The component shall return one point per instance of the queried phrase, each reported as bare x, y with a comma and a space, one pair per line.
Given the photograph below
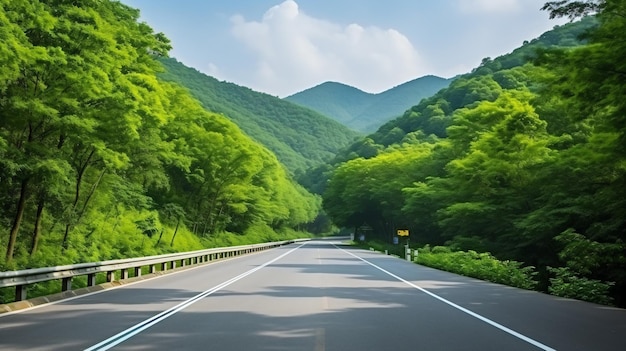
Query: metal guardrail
21, 279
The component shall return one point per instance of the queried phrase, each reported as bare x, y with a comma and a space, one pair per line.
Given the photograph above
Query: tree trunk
66, 235
175, 231
215, 219
80, 172
37, 230
19, 213
90, 195
160, 237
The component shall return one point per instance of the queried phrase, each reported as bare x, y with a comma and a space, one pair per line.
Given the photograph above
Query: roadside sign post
363, 231
405, 232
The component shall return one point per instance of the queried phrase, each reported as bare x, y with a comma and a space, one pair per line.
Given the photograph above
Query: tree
572, 8
65, 104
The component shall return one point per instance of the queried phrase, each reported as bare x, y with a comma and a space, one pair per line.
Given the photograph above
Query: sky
282, 47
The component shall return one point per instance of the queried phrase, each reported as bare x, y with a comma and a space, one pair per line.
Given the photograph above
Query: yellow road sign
403, 232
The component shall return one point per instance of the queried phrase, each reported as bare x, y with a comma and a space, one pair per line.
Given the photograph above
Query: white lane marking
138, 328
462, 309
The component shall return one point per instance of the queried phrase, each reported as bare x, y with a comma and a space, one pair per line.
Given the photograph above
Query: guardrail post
163, 266
124, 274
66, 284
20, 292
110, 276
137, 271
152, 268
91, 279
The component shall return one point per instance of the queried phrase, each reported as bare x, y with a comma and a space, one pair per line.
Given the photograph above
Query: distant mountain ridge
363, 111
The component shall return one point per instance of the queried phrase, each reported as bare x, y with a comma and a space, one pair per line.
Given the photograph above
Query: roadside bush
479, 265
441, 250
567, 284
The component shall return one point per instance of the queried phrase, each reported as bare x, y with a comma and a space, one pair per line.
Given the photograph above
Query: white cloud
295, 51
489, 6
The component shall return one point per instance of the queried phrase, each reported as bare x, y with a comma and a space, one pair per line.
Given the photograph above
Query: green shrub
440, 250
568, 284
479, 265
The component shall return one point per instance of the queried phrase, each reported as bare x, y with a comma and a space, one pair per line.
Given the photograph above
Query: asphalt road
315, 296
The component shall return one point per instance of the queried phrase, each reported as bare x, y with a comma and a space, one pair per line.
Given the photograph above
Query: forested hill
363, 111
524, 158
433, 115
101, 159
300, 137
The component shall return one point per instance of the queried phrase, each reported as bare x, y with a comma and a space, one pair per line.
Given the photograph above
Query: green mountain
363, 111
300, 138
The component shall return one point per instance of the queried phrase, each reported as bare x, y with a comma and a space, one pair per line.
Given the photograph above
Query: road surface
315, 296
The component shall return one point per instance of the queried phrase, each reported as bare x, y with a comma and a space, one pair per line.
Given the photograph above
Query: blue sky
285, 46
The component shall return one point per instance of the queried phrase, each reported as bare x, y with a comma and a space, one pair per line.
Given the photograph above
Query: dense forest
525, 158
100, 158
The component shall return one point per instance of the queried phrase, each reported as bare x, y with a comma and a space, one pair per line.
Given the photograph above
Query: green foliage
525, 159
298, 136
436, 249
369, 191
571, 8
102, 156
102, 159
479, 265
468, 263
567, 284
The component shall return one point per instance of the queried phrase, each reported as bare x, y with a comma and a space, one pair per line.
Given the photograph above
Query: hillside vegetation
109, 149
362, 111
299, 137
523, 158
102, 159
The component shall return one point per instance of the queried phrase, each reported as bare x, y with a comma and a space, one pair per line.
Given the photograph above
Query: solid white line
462, 309
138, 328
